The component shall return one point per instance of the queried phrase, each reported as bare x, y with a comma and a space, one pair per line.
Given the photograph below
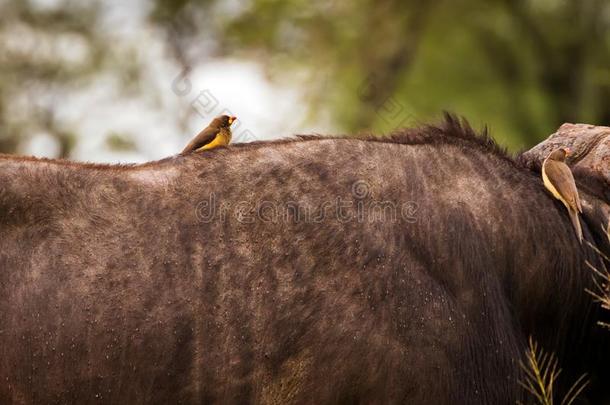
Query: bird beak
232, 119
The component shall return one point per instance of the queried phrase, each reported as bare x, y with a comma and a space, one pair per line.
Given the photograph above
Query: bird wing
560, 176
204, 137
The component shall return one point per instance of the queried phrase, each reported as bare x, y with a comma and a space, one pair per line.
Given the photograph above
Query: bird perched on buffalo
218, 133
558, 179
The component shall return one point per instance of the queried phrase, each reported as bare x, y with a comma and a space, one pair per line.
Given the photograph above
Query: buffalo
412, 268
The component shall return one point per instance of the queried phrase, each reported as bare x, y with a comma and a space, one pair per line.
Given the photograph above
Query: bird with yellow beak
558, 179
218, 133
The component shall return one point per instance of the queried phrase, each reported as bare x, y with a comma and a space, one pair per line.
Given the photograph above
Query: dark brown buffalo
409, 269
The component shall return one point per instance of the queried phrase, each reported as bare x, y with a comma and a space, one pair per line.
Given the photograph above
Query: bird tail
576, 224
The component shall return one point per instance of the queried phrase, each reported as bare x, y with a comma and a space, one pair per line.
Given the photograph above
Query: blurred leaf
120, 142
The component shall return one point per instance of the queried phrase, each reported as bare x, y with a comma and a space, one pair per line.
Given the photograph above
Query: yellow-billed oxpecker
558, 179
218, 133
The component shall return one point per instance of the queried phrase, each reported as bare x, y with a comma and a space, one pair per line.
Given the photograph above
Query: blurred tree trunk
563, 64
385, 62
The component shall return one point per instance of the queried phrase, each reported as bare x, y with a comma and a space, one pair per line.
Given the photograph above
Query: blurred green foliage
521, 66
120, 142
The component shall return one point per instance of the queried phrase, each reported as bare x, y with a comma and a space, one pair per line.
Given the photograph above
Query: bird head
226, 120
560, 154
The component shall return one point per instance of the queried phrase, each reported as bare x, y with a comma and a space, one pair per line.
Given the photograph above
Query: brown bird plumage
218, 133
558, 179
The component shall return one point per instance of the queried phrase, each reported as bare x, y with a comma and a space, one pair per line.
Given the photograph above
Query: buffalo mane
452, 130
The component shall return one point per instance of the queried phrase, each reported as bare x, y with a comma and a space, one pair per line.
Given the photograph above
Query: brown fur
113, 289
